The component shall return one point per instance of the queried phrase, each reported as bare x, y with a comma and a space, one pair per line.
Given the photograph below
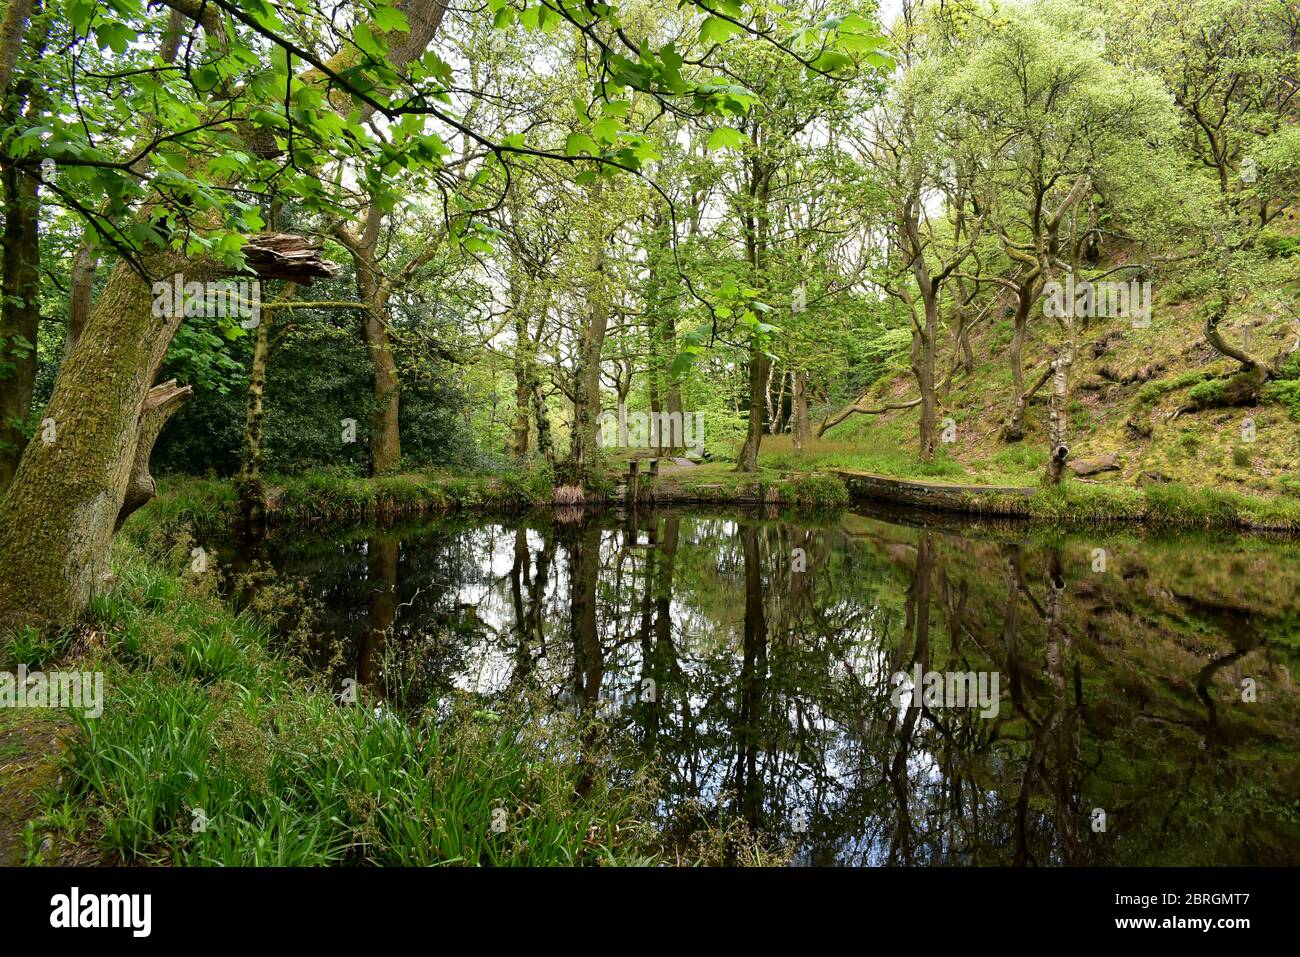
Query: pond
864, 690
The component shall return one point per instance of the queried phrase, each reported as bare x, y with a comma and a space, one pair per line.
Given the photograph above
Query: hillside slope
1129, 398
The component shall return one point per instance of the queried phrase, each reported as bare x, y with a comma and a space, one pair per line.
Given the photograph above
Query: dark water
1147, 680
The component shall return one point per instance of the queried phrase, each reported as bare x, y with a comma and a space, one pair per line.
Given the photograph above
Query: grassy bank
786, 477
323, 499
215, 748
209, 505
785, 480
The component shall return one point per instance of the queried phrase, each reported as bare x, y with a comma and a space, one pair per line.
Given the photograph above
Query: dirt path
676, 466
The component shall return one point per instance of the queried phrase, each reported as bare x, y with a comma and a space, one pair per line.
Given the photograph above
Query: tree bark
12, 29
386, 387
159, 406
58, 518
80, 292
586, 376
252, 494
1058, 423
756, 219
19, 315
923, 363
52, 557
759, 363
800, 425
1013, 428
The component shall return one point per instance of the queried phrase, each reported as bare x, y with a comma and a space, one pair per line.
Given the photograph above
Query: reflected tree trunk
752, 684
382, 571
918, 616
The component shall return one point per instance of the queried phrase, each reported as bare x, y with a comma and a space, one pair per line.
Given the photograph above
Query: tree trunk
19, 316
1013, 428
57, 520
519, 428
252, 496
385, 436
586, 376
800, 425
159, 405
518, 449
923, 342
80, 293
963, 357
12, 28
544, 443
385, 433
759, 364
1058, 423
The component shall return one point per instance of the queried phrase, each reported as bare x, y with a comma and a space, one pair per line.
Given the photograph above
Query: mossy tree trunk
58, 518
756, 217
586, 373
160, 404
520, 428
373, 290
248, 482
72, 484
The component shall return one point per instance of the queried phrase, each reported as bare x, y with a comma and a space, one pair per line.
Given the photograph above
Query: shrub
1207, 393
1277, 246
1286, 393
1153, 392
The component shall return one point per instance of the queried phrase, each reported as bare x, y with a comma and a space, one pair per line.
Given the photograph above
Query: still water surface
1139, 704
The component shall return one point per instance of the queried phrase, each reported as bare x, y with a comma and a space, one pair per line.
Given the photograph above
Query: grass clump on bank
214, 749
1167, 504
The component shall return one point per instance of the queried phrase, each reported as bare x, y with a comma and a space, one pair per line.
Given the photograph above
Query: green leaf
832, 62
388, 19
578, 144
368, 42
718, 30
117, 36
606, 129
725, 138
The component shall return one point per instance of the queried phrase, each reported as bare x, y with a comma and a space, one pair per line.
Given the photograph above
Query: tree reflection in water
762, 693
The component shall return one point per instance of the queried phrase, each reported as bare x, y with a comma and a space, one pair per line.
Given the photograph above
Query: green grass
1168, 504
1153, 392
208, 506
1286, 393
204, 723
890, 454
33, 648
